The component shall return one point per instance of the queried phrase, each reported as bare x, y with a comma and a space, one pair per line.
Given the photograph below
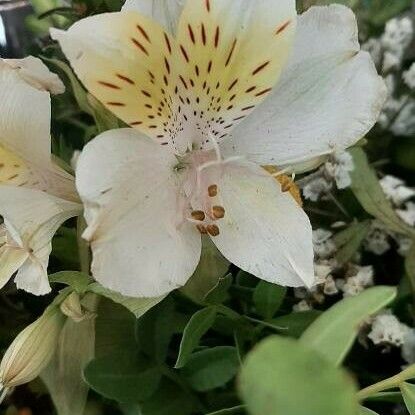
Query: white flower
377, 240
396, 190
190, 85
396, 38
31, 350
33, 71
388, 330
323, 244
409, 77
339, 167
303, 305
408, 214
31, 216
357, 281
316, 188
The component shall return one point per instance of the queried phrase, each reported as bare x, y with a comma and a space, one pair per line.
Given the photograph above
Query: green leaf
78, 90
349, 241
296, 323
212, 266
268, 298
366, 411
114, 328
335, 331
368, 191
124, 376
78, 281
169, 399
197, 326
138, 306
63, 376
211, 368
408, 394
219, 293
284, 376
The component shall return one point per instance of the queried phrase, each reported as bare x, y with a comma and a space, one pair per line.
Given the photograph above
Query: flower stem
228, 411
392, 382
83, 247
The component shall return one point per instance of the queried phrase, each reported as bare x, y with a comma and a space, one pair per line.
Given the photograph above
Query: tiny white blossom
339, 167
303, 305
409, 77
408, 214
404, 124
316, 188
359, 279
377, 240
404, 243
323, 244
387, 329
396, 38
396, 190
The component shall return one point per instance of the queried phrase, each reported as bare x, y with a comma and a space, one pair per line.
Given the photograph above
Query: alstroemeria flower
188, 80
36, 196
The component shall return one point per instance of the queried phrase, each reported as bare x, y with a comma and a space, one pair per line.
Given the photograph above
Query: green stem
228, 411
83, 247
390, 383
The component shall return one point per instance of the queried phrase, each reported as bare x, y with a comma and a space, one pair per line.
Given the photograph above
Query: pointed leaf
268, 298
284, 373
335, 331
368, 191
124, 376
78, 281
349, 241
212, 266
408, 394
211, 368
197, 326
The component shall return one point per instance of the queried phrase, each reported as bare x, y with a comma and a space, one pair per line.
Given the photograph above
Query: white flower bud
31, 350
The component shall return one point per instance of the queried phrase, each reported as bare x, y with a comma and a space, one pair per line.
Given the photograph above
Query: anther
198, 215
218, 212
202, 229
286, 187
213, 190
213, 230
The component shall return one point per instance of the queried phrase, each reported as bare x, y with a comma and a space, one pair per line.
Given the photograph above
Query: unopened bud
31, 350
74, 309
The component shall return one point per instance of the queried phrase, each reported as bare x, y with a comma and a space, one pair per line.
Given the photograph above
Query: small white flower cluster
389, 54
356, 278
336, 170
379, 237
388, 330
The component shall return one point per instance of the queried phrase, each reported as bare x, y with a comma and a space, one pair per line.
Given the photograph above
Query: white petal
132, 205
329, 95
33, 71
24, 117
11, 259
164, 12
264, 231
31, 218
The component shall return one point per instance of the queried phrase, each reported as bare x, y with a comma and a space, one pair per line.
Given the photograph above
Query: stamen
213, 190
218, 212
213, 230
202, 229
199, 215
